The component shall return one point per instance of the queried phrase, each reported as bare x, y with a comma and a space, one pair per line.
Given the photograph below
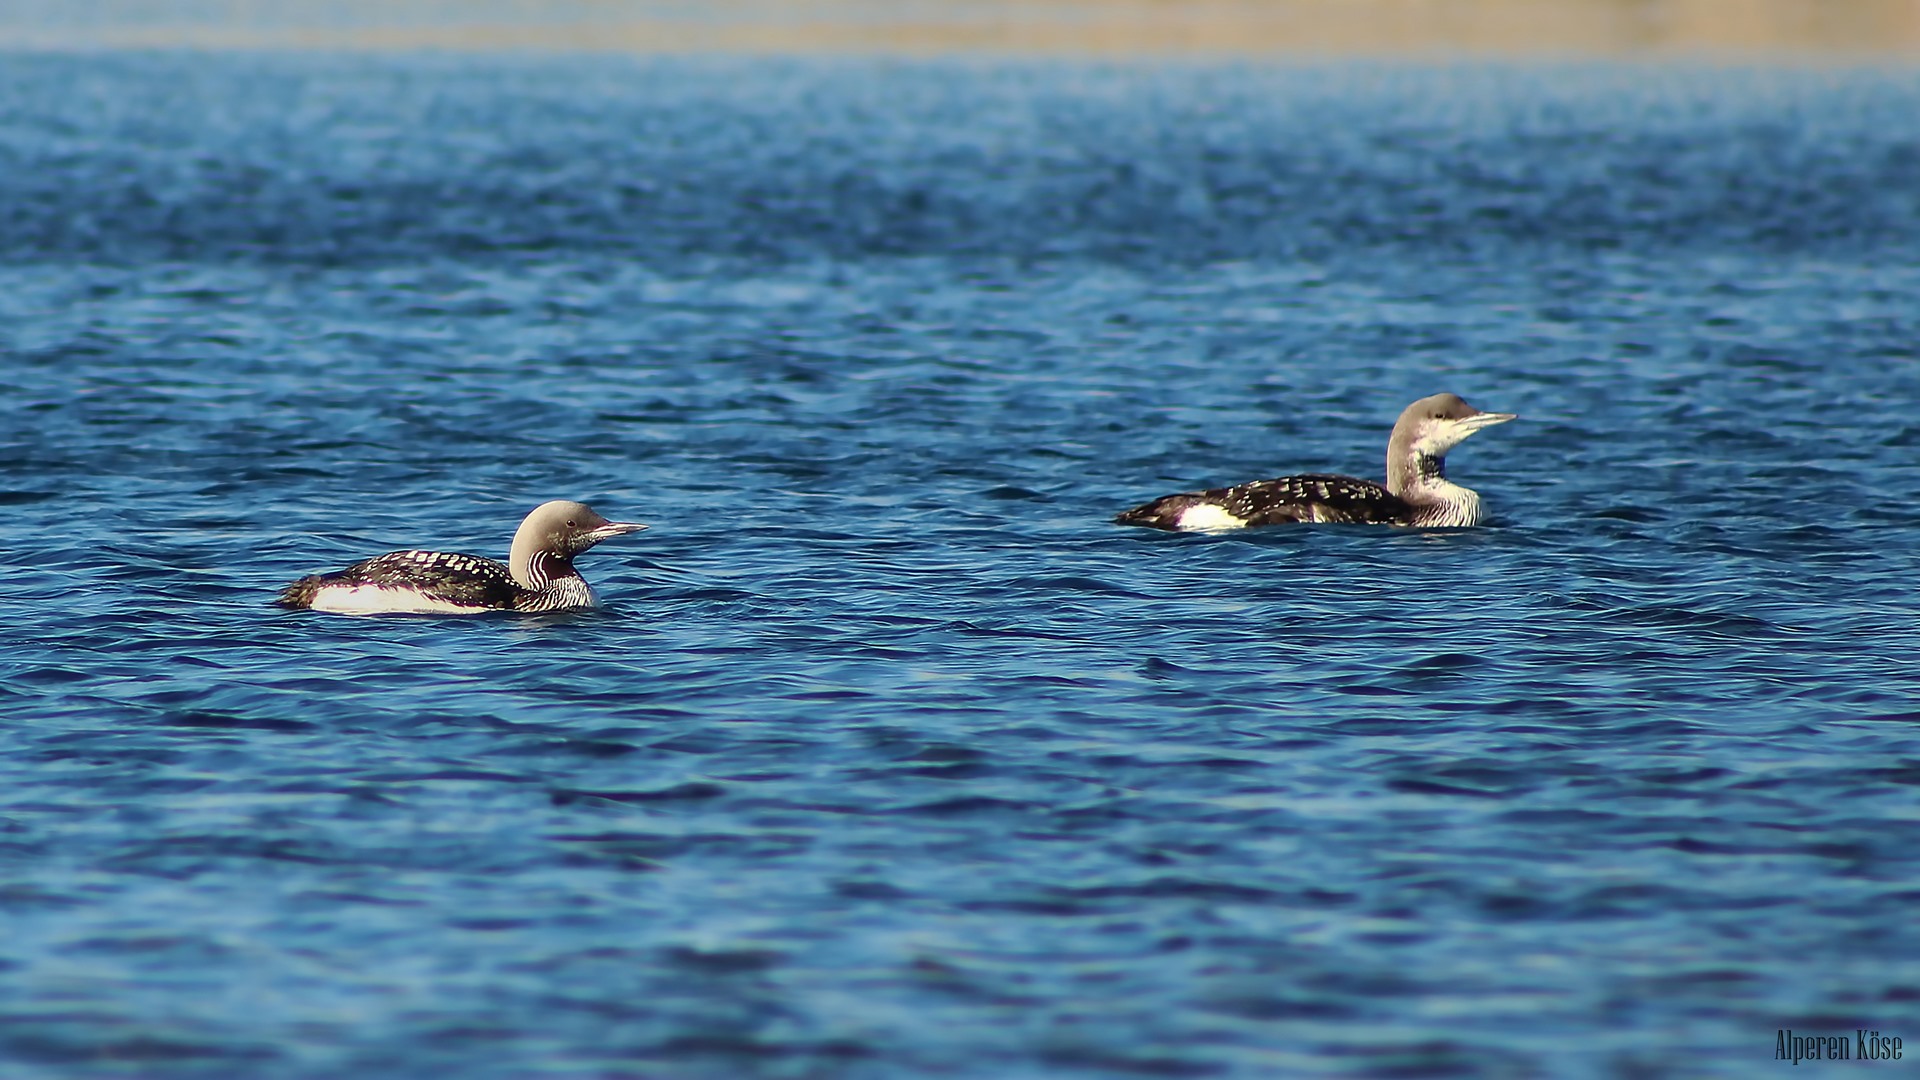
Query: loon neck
1421, 480
1410, 473
539, 570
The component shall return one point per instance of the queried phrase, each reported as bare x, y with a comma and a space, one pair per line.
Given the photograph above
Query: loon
1417, 491
538, 574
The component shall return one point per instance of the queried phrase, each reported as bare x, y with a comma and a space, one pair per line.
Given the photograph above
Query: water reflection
1340, 27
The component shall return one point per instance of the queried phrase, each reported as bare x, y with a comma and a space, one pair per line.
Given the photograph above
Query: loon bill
1417, 491
537, 576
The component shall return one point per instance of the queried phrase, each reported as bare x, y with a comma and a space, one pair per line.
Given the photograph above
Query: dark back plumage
1316, 497
462, 580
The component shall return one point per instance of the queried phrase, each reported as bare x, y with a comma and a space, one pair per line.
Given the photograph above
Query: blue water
889, 755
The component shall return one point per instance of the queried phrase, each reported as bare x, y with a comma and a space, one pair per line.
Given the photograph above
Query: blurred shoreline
1839, 29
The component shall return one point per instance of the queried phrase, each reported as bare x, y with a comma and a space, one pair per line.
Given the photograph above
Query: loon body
1417, 491
537, 576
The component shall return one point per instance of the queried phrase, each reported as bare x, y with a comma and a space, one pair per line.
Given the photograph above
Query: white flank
377, 599
1208, 516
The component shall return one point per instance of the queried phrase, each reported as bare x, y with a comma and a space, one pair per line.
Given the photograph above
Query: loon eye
571, 524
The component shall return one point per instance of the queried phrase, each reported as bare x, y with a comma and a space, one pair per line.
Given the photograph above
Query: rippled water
889, 755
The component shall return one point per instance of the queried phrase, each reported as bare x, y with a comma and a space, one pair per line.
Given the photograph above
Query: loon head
560, 530
1426, 430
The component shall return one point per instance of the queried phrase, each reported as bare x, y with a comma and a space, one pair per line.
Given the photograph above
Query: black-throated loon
537, 576
1417, 491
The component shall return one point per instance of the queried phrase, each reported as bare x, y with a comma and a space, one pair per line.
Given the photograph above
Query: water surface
889, 755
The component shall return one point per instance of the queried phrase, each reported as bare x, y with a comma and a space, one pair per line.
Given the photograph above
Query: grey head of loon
1426, 430
556, 532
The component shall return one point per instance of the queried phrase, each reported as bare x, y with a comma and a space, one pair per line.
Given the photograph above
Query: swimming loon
538, 574
1417, 491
